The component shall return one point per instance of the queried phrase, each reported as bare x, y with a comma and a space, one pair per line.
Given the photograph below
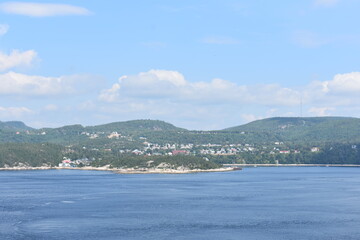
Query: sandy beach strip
124, 170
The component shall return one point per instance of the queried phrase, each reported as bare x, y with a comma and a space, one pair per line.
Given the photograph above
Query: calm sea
256, 203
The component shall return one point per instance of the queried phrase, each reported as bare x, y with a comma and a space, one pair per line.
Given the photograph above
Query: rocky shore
124, 170
291, 165
171, 171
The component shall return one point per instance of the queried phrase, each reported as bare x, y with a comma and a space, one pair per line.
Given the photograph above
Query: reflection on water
256, 203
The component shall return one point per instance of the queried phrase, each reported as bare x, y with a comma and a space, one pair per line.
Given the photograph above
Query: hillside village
149, 148
146, 148
283, 140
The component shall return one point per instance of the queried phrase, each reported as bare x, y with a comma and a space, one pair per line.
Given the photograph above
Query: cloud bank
163, 94
13, 83
172, 85
16, 58
343, 83
14, 112
169, 96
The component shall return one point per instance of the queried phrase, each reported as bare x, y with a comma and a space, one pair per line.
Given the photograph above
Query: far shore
291, 165
225, 168
125, 170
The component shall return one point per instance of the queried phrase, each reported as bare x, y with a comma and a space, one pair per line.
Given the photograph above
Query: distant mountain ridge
307, 128
136, 125
126, 127
284, 123
274, 140
289, 129
15, 126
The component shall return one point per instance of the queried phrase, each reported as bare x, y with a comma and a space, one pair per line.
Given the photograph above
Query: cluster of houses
171, 149
112, 135
67, 162
232, 149
187, 149
210, 149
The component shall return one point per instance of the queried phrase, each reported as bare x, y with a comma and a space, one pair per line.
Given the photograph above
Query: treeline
329, 154
30, 154
262, 132
40, 154
47, 154
304, 130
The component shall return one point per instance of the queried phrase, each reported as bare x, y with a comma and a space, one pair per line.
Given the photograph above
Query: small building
114, 135
66, 163
137, 152
179, 152
284, 151
315, 149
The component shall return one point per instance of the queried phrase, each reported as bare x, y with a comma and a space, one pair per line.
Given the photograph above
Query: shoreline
225, 168
291, 165
125, 170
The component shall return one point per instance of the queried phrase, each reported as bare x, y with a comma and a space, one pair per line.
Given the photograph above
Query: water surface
256, 203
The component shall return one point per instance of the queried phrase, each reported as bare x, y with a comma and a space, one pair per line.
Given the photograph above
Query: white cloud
110, 95
26, 85
325, 3
16, 58
14, 112
220, 40
171, 85
273, 94
169, 96
343, 83
16, 83
42, 9
163, 84
4, 28
321, 111
173, 77
269, 113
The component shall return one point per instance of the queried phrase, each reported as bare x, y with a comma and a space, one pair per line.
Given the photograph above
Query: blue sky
196, 64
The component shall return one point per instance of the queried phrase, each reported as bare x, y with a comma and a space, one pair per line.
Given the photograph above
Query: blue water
256, 203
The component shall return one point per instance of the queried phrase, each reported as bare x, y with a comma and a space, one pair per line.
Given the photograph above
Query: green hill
135, 126
284, 129
14, 126
313, 129
284, 140
78, 134
31, 154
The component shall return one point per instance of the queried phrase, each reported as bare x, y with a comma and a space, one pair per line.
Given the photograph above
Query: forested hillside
30, 154
282, 140
315, 129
